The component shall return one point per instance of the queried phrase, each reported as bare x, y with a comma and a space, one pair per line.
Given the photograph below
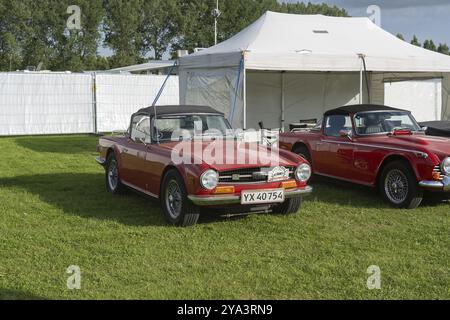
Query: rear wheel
112, 177
178, 209
289, 206
399, 186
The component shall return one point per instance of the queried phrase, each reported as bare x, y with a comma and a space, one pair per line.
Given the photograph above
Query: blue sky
428, 19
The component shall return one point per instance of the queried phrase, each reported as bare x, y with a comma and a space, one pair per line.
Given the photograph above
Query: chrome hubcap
396, 186
113, 175
173, 199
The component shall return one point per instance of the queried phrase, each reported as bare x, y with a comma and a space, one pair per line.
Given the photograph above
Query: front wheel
178, 210
399, 186
289, 206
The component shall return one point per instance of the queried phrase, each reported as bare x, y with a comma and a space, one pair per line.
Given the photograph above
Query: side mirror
346, 134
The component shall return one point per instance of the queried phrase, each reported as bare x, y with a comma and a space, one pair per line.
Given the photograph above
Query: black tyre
289, 206
112, 176
178, 209
399, 186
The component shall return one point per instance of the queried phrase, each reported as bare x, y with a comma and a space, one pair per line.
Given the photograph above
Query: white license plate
263, 196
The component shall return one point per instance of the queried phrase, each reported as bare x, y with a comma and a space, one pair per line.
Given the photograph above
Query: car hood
440, 146
229, 155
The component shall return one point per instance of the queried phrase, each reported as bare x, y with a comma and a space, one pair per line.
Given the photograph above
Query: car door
134, 154
334, 153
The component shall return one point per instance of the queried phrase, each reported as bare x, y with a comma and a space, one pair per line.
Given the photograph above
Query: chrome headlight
209, 179
445, 166
303, 172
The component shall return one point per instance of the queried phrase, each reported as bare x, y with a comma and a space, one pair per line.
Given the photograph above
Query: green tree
415, 41
400, 36
160, 24
429, 44
443, 48
122, 26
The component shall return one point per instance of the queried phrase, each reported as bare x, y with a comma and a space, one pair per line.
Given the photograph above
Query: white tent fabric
119, 96
297, 66
426, 93
284, 42
45, 103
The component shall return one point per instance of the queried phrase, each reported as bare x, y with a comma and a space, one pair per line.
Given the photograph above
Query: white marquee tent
285, 67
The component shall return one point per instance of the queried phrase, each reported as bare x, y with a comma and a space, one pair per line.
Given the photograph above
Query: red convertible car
376, 146
148, 159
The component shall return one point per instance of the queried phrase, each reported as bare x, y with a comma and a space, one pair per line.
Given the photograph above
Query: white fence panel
45, 103
119, 96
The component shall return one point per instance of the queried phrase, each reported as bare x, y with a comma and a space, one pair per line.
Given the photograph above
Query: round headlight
445, 166
303, 172
209, 179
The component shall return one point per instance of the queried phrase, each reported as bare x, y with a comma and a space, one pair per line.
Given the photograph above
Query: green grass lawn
55, 212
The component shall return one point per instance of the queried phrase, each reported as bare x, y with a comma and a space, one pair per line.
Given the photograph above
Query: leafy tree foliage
429, 44
415, 41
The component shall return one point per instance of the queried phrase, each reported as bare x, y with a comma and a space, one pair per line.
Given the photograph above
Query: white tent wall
446, 97
215, 87
306, 95
425, 94
44, 103
119, 96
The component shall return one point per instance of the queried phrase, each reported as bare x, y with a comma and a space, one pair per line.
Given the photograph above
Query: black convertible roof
346, 110
180, 109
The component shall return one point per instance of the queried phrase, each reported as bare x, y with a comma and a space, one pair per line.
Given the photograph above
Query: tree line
428, 44
35, 32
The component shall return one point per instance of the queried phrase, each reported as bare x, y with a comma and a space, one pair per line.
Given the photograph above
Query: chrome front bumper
215, 200
100, 161
443, 185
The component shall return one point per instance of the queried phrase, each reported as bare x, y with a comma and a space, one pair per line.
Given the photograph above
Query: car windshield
186, 127
384, 122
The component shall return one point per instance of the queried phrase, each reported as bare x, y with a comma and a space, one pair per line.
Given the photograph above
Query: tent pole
361, 84
244, 94
283, 118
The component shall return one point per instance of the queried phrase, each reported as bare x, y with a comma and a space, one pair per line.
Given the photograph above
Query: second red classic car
162, 155
376, 146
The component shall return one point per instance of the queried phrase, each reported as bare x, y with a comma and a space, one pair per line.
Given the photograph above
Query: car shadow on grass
344, 193
85, 195
58, 144
8, 294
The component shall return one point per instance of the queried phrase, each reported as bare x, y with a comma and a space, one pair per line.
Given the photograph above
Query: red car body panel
360, 158
142, 167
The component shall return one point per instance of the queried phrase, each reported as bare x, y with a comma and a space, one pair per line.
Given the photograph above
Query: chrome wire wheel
113, 175
396, 186
173, 199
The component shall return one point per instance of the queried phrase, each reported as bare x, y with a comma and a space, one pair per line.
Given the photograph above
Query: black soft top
179, 109
437, 128
346, 110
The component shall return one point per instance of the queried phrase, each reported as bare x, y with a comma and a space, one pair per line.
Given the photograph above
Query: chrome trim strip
233, 199
132, 186
100, 161
374, 146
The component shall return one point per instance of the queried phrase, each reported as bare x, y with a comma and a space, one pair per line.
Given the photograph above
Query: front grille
248, 175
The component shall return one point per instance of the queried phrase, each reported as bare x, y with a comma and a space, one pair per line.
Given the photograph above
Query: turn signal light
223, 190
289, 184
436, 175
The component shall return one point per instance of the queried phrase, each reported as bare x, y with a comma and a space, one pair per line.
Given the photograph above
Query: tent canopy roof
278, 41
